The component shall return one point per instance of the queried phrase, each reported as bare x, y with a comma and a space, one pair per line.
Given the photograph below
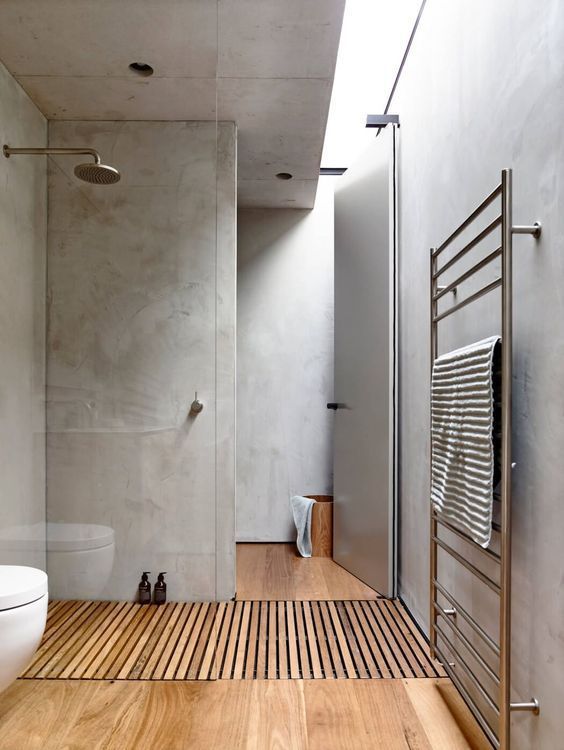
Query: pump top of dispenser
145, 574
160, 577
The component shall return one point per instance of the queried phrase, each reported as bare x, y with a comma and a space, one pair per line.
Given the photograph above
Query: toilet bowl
23, 614
80, 556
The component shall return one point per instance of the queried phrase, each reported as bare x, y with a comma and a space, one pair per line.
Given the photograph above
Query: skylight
374, 37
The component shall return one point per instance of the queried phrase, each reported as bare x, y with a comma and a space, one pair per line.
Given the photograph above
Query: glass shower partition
140, 354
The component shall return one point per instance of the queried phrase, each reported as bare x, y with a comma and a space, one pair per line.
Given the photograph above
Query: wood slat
311, 640
402, 636
262, 643
419, 641
56, 612
51, 640
143, 635
224, 629
231, 650
344, 644
250, 659
241, 640
282, 642
332, 643
171, 646
365, 664
152, 643
192, 642
322, 642
378, 650
183, 639
293, 660
50, 650
394, 650
272, 672
205, 637
303, 650
84, 655
74, 644
106, 645
118, 647
208, 667
164, 637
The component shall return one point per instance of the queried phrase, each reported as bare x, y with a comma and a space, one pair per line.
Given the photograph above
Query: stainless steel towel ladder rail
442, 647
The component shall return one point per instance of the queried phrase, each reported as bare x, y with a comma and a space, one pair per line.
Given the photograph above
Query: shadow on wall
259, 234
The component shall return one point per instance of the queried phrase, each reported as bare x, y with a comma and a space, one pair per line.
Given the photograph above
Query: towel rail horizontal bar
475, 213
468, 669
470, 702
468, 645
472, 298
468, 565
466, 249
488, 552
477, 628
469, 273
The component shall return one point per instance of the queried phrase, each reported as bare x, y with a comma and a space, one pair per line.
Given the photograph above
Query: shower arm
8, 151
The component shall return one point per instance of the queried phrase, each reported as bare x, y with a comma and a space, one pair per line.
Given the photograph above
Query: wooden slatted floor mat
239, 640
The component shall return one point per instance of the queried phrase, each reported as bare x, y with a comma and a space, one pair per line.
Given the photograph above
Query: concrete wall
483, 89
284, 363
142, 315
23, 226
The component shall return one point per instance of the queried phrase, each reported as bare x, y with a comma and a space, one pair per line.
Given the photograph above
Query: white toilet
80, 556
23, 614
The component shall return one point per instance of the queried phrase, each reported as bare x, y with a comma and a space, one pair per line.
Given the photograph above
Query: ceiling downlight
141, 69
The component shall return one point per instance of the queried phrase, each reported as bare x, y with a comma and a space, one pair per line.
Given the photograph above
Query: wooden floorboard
423, 714
277, 572
241, 640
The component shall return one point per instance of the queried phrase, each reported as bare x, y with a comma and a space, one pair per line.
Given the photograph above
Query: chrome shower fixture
94, 172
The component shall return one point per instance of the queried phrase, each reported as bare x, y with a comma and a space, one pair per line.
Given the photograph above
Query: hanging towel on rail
301, 510
463, 433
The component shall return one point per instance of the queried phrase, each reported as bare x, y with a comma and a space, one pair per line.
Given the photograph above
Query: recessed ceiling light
142, 69
284, 176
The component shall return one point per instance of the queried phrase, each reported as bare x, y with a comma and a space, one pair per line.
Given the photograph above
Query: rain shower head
94, 172
97, 174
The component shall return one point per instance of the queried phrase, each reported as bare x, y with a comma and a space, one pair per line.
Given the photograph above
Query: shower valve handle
196, 406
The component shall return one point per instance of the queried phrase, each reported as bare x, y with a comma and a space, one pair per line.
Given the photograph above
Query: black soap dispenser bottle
160, 589
145, 589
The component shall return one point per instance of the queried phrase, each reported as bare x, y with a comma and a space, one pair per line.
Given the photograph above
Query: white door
365, 323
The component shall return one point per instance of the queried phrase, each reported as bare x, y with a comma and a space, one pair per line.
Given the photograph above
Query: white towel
301, 510
462, 447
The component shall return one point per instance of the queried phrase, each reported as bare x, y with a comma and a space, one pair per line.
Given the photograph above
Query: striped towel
462, 437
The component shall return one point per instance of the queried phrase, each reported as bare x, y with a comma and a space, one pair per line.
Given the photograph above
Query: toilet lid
20, 585
71, 537
61, 537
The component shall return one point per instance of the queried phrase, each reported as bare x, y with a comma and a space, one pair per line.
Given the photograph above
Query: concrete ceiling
268, 65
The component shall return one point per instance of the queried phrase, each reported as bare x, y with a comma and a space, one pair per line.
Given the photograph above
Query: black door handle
334, 406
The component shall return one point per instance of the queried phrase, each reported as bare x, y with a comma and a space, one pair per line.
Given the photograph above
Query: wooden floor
276, 571
249, 640
239, 714
243, 715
